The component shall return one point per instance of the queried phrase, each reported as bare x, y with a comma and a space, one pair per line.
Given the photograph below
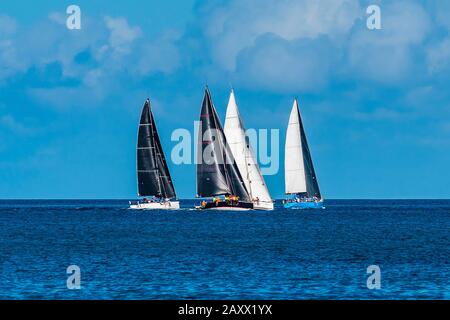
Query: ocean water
187, 254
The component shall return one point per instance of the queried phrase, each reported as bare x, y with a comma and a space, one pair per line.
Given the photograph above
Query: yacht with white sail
153, 177
300, 177
245, 157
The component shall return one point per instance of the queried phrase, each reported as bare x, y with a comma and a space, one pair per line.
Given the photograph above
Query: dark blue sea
187, 254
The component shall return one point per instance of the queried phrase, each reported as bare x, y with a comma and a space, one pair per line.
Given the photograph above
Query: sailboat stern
226, 206
163, 205
263, 205
304, 204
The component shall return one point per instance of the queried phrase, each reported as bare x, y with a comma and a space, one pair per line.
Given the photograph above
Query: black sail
217, 172
312, 187
152, 171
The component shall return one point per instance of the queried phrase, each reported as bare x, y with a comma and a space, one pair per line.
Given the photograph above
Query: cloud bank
279, 46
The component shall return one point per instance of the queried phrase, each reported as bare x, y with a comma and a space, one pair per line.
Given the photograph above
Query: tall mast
152, 171
222, 175
300, 176
243, 153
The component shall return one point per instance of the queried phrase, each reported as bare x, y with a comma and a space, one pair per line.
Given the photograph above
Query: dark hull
223, 205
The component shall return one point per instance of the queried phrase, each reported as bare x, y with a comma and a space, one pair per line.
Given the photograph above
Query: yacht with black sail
219, 181
153, 177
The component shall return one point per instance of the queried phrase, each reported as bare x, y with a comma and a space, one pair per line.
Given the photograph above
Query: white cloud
68, 97
9, 122
388, 55
160, 55
285, 45
122, 35
9, 61
280, 65
113, 49
58, 17
438, 56
381, 113
441, 9
8, 26
274, 45
236, 25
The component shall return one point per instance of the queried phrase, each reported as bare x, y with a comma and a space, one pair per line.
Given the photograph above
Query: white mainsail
294, 168
245, 158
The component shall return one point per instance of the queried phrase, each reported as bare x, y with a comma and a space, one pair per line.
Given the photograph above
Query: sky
375, 103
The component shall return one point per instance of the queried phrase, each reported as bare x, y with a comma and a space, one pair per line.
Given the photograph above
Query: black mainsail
217, 172
152, 172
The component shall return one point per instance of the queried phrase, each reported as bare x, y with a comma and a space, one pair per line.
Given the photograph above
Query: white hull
263, 206
166, 205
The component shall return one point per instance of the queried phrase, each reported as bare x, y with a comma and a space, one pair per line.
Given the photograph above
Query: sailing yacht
245, 157
219, 181
153, 177
300, 177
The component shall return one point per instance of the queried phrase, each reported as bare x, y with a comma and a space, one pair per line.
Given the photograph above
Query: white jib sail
294, 170
245, 158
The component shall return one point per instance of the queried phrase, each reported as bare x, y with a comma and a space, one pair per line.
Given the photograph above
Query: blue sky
376, 103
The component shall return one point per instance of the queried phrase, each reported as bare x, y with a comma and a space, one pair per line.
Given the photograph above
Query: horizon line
128, 199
